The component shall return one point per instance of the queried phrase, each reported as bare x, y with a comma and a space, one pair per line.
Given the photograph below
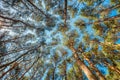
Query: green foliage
25, 78
73, 11
81, 24
94, 25
117, 62
113, 75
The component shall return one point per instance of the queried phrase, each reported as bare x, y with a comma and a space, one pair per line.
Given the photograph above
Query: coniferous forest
59, 39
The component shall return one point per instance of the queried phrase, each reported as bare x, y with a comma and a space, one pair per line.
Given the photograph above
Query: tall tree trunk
85, 69
100, 76
53, 78
65, 11
65, 71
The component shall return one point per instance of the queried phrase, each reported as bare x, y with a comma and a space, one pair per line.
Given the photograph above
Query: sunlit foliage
59, 39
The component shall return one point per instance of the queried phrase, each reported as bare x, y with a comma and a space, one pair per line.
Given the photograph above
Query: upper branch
15, 20
37, 8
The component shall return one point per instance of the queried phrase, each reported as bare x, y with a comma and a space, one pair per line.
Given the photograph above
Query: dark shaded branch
14, 75
31, 78
37, 8
14, 20
109, 8
112, 67
13, 67
4, 65
105, 19
29, 68
102, 20
20, 49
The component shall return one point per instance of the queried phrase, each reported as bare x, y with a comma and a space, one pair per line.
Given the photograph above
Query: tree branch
37, 8
14, 20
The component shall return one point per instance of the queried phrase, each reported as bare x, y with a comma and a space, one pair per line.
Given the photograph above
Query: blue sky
51, 35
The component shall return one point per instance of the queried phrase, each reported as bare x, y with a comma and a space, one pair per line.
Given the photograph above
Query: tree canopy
59, 39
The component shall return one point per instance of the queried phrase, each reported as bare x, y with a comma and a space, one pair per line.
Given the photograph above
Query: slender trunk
53, 78
85, 69
65, 11
100, 76
112, 67
65, 71
28, 68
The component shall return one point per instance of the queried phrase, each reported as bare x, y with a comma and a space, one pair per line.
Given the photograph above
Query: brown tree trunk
65, 11
65, 71
112, 67
100, 76
53, 78
85, 69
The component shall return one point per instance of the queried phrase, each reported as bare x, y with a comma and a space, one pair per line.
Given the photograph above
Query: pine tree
59, 39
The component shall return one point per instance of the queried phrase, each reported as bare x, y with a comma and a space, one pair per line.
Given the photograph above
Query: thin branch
15, 20
37, 8
102, 20
4, 65
112, 67
109, 8
31, 78
29, 68
14, 65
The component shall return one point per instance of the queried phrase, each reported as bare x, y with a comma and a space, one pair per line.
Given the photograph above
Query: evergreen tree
59, 40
